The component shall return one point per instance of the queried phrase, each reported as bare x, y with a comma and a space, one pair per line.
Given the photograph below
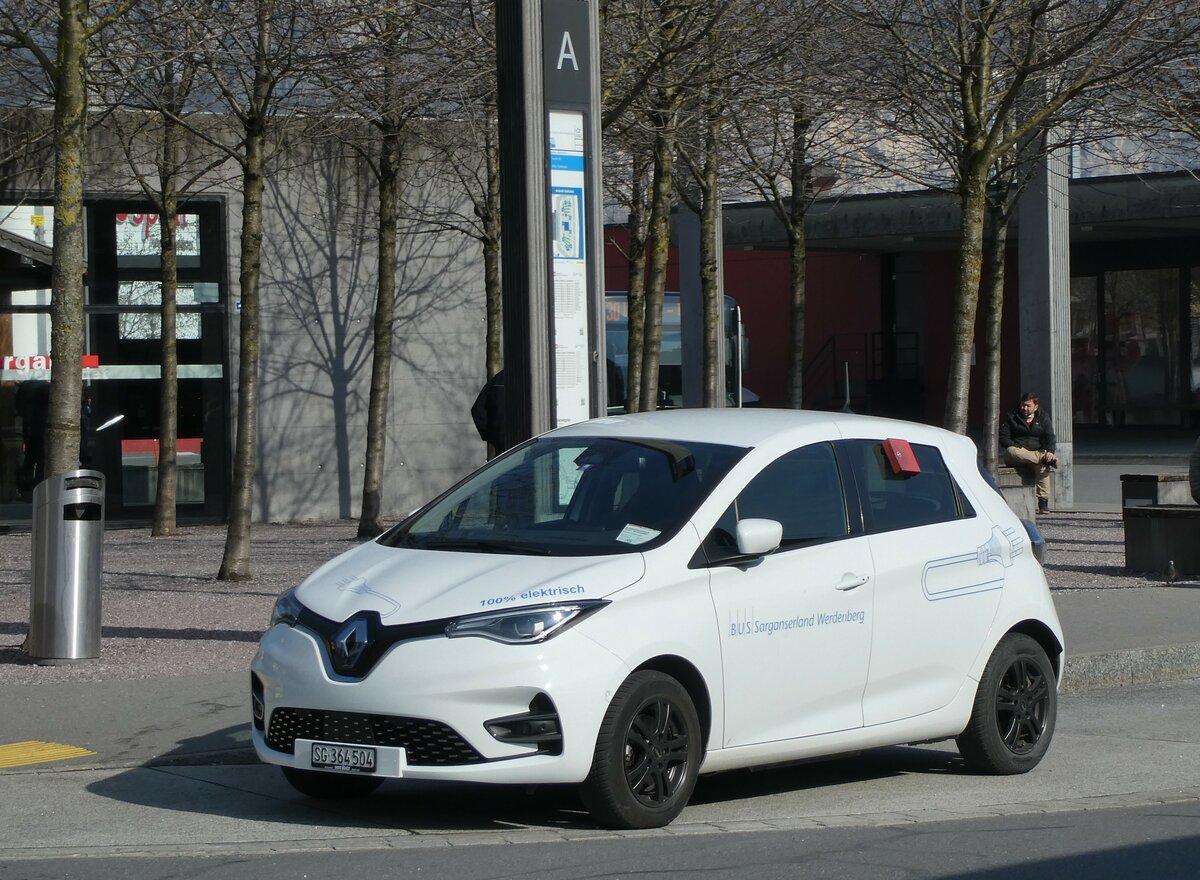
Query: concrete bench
1138, 490
1158, 534
1017, 489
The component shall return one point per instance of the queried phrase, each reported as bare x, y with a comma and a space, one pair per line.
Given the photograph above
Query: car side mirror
758, 537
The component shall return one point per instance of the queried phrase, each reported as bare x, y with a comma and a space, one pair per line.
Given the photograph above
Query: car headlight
522, 626
287, 609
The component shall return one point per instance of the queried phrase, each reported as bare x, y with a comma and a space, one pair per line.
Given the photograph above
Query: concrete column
1044, 310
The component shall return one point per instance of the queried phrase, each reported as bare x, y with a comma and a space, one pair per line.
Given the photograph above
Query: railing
876, 373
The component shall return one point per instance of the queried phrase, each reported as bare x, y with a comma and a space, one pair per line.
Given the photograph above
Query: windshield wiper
480, 546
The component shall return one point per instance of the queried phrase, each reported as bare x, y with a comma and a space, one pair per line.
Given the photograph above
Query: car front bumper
432, 697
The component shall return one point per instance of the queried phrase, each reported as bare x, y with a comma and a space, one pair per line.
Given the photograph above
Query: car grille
424, 742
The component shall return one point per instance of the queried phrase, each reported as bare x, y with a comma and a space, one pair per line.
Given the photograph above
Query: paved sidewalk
171, 680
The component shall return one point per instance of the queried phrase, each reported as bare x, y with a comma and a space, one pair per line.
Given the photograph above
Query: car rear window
902, 501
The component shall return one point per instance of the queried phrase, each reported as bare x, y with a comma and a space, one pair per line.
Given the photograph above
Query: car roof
755, 426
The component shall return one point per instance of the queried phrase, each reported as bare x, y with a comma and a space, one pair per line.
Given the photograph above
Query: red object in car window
900, 456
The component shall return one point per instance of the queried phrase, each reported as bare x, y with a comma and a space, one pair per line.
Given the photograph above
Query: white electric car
628, 602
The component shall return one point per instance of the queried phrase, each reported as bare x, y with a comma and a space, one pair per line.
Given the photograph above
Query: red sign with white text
24, 362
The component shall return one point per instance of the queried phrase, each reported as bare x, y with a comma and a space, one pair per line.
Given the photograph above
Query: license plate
335, 756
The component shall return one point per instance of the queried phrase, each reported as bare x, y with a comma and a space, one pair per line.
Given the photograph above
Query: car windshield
572, 496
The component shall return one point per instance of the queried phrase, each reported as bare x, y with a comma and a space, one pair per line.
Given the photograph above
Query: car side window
902, 501
802, 490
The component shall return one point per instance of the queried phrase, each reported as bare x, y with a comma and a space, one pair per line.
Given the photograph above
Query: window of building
122, 356
148, 324
139, 239
1142, 343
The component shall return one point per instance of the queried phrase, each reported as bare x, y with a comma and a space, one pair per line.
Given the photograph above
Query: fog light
257, 706
537, 727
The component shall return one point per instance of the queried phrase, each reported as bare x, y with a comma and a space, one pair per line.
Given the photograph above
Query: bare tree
55, 40
632, 192
382, 76
962, 84
650, 51
702, 154
155, 107
254, 58
796, 132
461, 141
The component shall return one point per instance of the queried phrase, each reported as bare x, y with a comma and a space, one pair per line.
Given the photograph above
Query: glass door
1141, 341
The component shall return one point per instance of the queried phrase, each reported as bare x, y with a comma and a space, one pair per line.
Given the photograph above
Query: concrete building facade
317, 297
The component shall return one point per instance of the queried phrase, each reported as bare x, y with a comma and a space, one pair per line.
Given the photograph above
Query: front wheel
647, 755
1015, 708
330, 786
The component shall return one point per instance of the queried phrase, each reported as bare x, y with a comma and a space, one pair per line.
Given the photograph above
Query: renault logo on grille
349, 643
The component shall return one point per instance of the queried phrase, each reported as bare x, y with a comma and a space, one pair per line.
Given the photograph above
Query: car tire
330, 786
648, 754
1015, 709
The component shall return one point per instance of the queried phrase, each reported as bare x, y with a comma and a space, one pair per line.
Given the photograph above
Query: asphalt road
1121, 753
1159, 842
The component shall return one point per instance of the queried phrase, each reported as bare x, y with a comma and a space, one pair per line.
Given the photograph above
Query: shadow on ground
227, 780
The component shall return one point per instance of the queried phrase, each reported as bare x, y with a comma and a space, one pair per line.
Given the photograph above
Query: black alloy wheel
656, 752
1016, 705
647, 756
1021, 704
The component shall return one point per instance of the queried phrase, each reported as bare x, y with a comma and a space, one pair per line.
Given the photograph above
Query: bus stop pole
524, 247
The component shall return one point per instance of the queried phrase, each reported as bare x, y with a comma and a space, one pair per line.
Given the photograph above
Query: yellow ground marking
34, 751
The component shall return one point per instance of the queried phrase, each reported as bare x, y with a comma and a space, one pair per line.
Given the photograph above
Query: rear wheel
1015, 708
647, 755
330, 786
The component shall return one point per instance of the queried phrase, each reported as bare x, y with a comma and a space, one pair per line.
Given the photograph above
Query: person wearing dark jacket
1027, 438
488, 414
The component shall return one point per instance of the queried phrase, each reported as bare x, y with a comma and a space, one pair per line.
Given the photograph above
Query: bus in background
680, 371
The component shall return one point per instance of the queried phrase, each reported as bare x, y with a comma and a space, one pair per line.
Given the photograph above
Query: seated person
1027, 439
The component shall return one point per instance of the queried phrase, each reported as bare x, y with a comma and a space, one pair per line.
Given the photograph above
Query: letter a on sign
567, 52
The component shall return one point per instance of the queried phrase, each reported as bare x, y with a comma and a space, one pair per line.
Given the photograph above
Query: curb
400, 839
1126, 668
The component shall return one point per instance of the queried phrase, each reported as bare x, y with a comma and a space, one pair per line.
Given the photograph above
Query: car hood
407, 586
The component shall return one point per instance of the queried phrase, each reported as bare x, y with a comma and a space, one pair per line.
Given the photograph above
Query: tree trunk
165, 497
710, 283
67, 263
491, 253
797, 294
797, 255
962, 339
993, 299
370, 522
635, 290
235, 566
659, 235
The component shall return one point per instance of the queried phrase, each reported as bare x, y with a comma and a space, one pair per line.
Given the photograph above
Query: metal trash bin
68, 544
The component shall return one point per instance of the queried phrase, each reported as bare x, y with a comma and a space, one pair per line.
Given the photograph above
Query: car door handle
853, 581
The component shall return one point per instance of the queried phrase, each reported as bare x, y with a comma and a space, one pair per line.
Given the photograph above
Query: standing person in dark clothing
1027, 438
488, 414
33, 406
